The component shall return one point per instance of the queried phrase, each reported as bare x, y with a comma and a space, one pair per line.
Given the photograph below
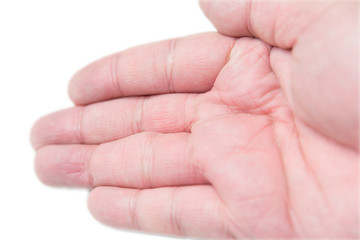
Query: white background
42, 44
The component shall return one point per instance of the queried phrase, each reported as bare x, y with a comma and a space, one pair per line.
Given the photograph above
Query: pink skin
220, 136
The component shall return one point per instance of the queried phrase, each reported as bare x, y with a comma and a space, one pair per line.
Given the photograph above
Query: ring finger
143, 160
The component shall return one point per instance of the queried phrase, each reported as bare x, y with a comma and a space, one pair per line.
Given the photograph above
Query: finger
140, 161
278, 23
247, 81
111, 120
186, 65
184, 211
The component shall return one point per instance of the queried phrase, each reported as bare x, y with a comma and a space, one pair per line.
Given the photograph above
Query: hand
219, 136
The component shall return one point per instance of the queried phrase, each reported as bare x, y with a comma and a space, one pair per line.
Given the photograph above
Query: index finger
186, 65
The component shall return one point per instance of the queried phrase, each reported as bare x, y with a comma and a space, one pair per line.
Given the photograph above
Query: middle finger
115, 119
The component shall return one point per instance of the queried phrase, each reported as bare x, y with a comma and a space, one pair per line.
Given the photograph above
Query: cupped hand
219, 136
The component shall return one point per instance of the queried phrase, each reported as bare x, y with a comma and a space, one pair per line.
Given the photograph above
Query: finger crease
187, 121
248, 17
175, 217
170, 64
88, 160
195, 165
147, 159
228, 54
79, 125
139, 115
132, 210
114, 76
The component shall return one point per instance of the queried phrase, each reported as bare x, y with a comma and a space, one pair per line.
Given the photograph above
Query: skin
252, 131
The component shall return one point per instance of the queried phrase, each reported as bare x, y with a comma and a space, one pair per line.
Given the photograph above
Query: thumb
279, 23
319, 75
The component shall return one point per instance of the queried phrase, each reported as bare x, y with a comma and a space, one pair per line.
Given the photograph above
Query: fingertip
228, 17
204, 6
109, 205
92, 200
91, 84
34, 133
61, 127
79, 84
73, 91
63, 165
98, 196
43, 169
40, 130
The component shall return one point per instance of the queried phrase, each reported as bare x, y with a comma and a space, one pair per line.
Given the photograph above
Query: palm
222, 141
257, 145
